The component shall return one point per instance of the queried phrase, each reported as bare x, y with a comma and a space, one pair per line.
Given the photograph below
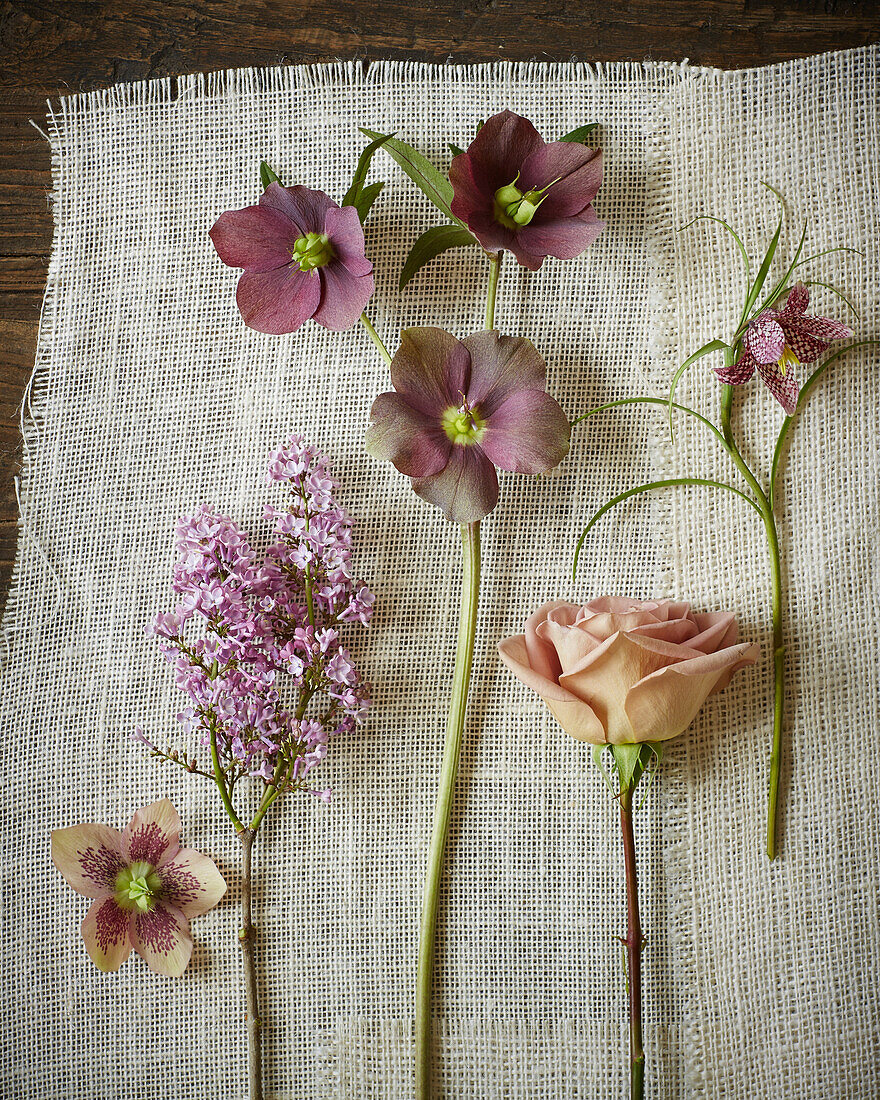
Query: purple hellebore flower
517, 192
779, 340
303, 256
461, 409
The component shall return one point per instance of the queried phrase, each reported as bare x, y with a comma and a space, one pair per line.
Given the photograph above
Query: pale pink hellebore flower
620, 671
145, 888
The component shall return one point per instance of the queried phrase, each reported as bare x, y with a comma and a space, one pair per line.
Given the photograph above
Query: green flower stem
374, 336
634, 943
766, 508
220, 780
494, 272
464, 658
247, 937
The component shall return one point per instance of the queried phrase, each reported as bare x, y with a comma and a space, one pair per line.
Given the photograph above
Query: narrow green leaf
424, 175
730, 230
597, 760
626, 760
454, 149
829, 252
665, 484
580, 134
802, 397
781, 283
706, 349
431, 243
834, 290
649, 401
760, 278
267, 176
367, 197
363, 166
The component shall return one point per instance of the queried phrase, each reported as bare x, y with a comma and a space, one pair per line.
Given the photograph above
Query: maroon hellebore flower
777, 341
461, 408
517, 192
303, 256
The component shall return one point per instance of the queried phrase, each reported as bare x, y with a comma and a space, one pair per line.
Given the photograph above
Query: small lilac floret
267, 622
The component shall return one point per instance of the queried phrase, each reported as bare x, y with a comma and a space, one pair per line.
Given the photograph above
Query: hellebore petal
153, 833
89, 857
562, 238
431, 369
528, 434
410, 439
343, 226
504, 141
162, 940
576, 170
466, 488
501, 366
343, 296
191, 882
106, 933
256, 238
305, 208
280, 301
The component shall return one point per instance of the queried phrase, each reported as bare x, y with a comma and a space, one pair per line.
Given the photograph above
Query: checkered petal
797, 301
738, 372
764, 340
807, 348
821, 327
784, 387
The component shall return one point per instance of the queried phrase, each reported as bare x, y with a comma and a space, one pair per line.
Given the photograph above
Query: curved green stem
494, 272
766, 509
634, 943
464, 656
374, 336
220, 780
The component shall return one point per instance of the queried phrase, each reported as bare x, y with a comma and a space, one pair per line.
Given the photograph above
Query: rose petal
665, 703
414, 442
571, 643
542, 655
256, 238
278, 301
764, 340
577, 171
343, 296
152, 833
563, 238
501, 366
343, 227
162, 940
431, 369
106, 930
528, 434
191, 882
644, 623
90, 857
466, 489
784, 387
575, 716
307, 209
717, 630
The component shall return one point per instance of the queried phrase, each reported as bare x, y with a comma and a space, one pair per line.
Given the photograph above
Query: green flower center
463, 425
137, 887
515, 208
311, 251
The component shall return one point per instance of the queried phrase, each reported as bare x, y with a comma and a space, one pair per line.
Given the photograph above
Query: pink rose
620, 671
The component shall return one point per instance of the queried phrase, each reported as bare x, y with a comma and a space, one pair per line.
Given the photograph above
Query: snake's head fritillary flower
461, 408
303, 256
144, 885
533, 198
777, 341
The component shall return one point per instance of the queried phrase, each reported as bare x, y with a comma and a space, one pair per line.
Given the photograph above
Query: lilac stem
247, 938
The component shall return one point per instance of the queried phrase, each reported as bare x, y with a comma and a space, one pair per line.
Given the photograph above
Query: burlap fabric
150, 396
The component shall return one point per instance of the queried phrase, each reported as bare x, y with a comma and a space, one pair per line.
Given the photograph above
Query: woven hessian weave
150, 396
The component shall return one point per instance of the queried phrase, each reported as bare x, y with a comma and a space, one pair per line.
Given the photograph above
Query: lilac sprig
248, 634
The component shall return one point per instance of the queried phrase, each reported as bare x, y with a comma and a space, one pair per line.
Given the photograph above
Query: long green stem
766, 508
374, 336
494, 272
247, 937
464, 657
634, 943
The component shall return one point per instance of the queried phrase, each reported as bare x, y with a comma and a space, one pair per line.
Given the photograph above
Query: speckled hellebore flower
777, 341
463, 407
533, 198
144, 885
303, 256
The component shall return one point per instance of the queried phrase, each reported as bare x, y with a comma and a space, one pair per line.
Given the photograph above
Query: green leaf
454, 149
780, 285
597, 760
665, 484
353, 194
834, 290
580, 134
367, 197
626, 760
752, 296
267, 176
739, 244
424, 175
706, 349
431, 243
650, 401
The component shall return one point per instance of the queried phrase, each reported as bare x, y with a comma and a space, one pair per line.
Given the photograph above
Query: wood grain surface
50, 48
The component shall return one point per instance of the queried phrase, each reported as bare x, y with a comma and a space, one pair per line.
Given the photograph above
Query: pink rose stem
634, 942
461, 681
765, 507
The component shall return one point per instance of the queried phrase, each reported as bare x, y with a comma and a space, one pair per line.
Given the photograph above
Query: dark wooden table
50, 48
